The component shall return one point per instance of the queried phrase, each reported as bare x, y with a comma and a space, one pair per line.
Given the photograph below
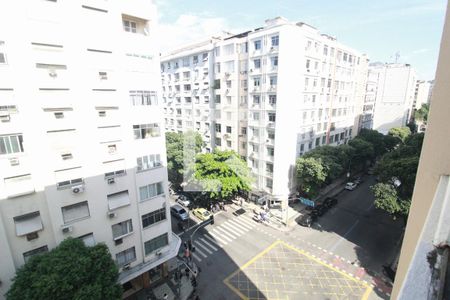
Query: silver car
178, 212
350, 186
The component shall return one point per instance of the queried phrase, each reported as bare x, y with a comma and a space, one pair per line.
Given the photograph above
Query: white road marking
231, 228
217, 233
196, 257
226, 233
201, 253
216, 241
209, 244
203, 247
241, 224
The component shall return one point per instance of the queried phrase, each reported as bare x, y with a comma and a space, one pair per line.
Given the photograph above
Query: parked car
201, 213
330, 202
319, 210
350, 186
307, 220
183, 201
178, 212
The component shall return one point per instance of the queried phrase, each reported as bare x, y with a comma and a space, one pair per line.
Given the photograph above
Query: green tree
376, 139
400, 132
69, 271
221, 174
311, 174
387, 199
333, 159
181, 148
363, 151
422, 113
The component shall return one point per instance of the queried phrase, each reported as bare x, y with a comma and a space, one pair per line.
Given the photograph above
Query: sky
380, 28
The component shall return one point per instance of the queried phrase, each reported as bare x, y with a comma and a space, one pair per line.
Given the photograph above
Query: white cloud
190, 28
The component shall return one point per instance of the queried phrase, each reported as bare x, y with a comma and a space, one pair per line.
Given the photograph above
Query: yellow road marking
262, 253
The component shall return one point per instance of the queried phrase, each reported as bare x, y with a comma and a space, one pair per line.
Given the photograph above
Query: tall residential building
421, 93
389, 97
279, 91
82, 149
422, 272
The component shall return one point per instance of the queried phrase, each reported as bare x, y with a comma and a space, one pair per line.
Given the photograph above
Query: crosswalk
221, 235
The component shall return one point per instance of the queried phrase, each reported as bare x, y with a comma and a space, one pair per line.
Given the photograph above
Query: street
339, 257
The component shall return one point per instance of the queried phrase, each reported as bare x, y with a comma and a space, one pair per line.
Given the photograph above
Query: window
188, 100
153, 217
102, 114
68, 177
269, 168
145, 131
325, 50
121, 229
143, 98
59, 115
186, 62
255, 148
88, 239
205, 56
244, 130
126, 256
28, 224
11, 144
256, 99
270, 151
218, 128
273, 81
256, 116
186, 75
302, 147
228, 129
271, 135
269, 183
27, 255
115, 174
275, 40
229, 100
257, 63
308, 62
2, 53
272, 117
117, 200
195, 59
217, 51
217, 99
187, 87
129, 26
149, 191
274, 61
148, 162
317, 142
257, 81
272, 99
257, 44
66, 156
218, 142
156, 243
324, 140
75, 212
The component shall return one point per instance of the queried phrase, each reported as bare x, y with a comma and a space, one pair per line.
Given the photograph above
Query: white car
350, 186
183, 200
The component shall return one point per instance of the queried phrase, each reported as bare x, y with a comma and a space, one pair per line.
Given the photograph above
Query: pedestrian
185, 245
212, 207
217, 206
187, 271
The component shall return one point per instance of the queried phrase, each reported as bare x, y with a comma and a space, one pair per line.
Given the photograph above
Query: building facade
421, 93
82, 147
279, 91
389, 96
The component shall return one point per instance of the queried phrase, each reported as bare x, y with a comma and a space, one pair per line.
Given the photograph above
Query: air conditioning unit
126, 267
77, 189
111, 214
14, 161
67, 229
5, 117
111, 180
118, 242
268, 141
52, 73
158, 252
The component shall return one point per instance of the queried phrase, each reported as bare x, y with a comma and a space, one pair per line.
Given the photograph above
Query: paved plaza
284, 272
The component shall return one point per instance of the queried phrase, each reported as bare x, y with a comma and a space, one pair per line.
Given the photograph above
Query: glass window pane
14, 144
2, 146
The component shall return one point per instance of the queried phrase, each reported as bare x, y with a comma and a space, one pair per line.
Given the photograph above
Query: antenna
397, 56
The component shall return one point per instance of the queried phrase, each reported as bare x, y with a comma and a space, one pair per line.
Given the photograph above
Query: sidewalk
170, 286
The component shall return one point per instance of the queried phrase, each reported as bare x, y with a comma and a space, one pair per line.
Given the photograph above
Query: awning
28, 223
118, 200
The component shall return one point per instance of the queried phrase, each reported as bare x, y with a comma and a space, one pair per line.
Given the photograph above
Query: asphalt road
236, 254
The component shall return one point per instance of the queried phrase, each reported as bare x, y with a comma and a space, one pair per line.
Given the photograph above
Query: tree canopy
400, 164
400, 132
311, 174
181, 148
69, 271
221, 174
422, 113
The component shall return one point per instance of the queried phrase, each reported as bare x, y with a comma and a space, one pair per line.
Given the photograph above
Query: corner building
82, 148
289, 89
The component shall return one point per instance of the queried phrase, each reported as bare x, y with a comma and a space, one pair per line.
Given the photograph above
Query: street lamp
396, 182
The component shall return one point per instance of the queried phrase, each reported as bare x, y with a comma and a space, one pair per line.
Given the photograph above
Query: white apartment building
421, 93
292, 87
82, 148
389, 97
